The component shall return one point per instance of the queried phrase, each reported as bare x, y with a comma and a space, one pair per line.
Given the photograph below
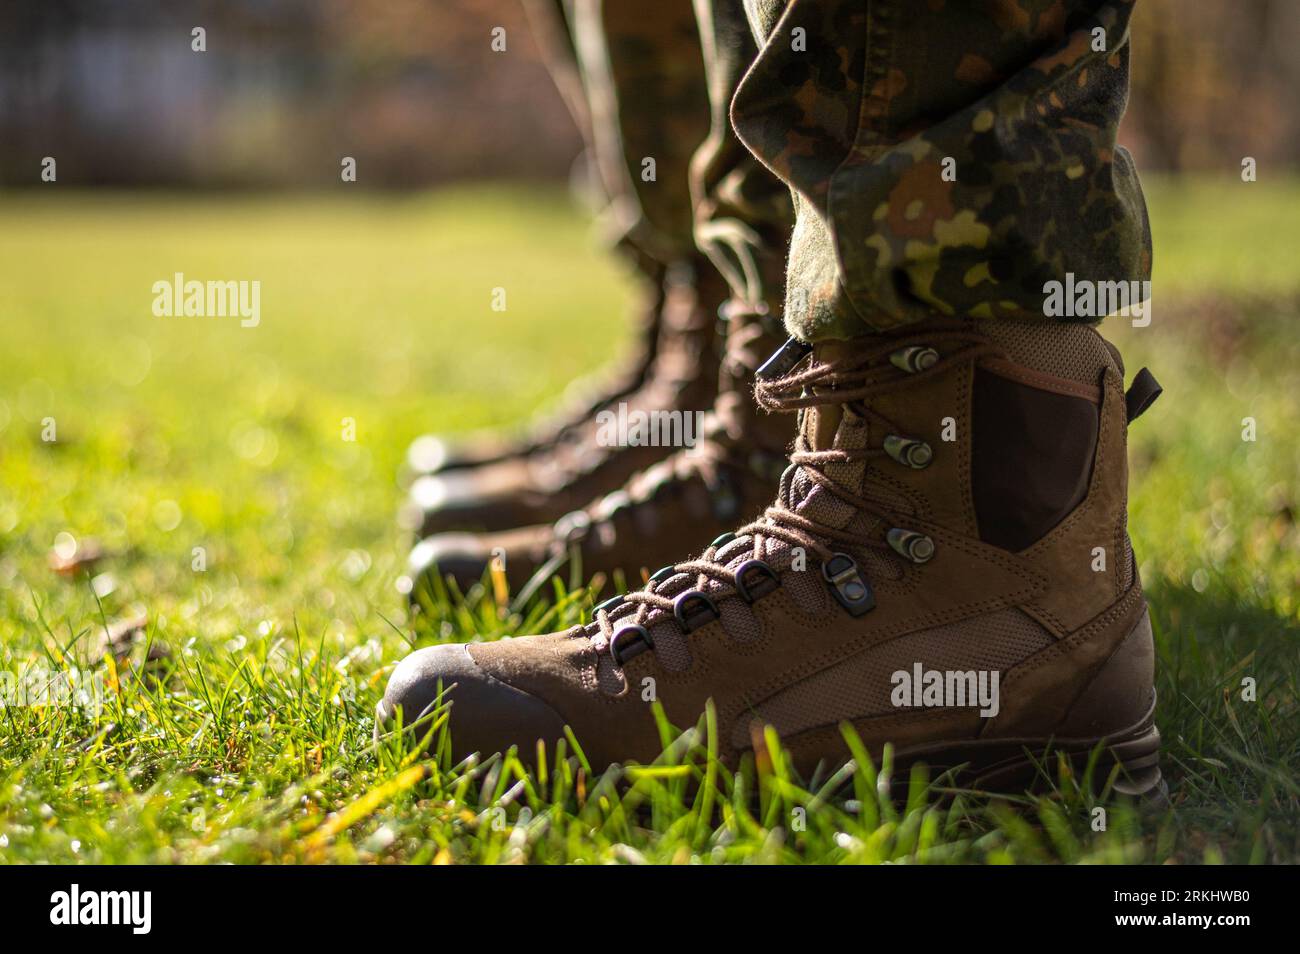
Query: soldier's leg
644, 86
634, 79
740, 215
946, 158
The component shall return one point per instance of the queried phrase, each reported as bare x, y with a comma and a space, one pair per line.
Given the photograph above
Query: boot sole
1020, 764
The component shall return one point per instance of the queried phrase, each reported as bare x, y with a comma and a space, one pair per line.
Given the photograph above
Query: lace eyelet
911, 545
847, 585
914, 358
769, 580
663, 573
722, 540
609, 605
692, 619
620, 653
909, 451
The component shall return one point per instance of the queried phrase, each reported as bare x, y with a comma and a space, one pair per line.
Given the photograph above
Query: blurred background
412, 90
274, 451
408, 87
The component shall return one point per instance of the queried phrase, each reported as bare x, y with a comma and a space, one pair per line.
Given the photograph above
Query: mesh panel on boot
608, 676
672, 646
739, 621
1070, 351
861, 685
817, 503
807, 589
740, 547
878, 565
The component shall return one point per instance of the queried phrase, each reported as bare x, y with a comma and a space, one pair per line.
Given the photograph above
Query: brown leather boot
946, 568
558, 476
726, 478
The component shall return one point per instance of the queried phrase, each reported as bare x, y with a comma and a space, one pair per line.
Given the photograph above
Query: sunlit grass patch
210, 467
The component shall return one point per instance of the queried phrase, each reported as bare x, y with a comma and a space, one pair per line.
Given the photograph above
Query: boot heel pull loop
1141, 394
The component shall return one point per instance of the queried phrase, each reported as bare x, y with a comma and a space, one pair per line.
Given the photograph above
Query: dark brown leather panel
1031, 460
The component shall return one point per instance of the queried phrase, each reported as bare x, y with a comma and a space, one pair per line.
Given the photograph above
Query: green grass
251, 741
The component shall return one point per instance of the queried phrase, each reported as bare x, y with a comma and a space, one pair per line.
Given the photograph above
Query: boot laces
852, 381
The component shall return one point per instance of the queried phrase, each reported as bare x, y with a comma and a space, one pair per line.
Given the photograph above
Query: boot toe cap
450, 491
464, 557
490, 497
433, 453
486, 714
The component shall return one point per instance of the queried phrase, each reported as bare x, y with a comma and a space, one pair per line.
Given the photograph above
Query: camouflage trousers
650, 86
864, 164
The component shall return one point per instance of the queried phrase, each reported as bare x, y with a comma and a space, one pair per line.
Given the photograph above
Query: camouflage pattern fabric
945, 156
650, 81
642, 105
941, 156
743, 213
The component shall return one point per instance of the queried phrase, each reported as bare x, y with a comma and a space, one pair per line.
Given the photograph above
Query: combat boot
581, 462
727, 477
946, 568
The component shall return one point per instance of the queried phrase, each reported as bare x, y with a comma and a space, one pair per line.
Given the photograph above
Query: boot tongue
829, 427
820, 425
